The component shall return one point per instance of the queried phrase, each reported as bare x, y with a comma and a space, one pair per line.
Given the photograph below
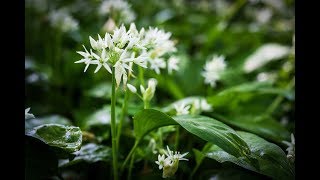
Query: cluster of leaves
241, 137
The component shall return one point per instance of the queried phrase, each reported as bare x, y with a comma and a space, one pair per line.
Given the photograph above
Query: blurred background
255, 36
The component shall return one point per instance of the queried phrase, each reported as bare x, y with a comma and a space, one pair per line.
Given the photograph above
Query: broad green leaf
90, 153
204, 127
52, 119
41, 162
236, 174
264, 126
243, 92
66, 138
271, 159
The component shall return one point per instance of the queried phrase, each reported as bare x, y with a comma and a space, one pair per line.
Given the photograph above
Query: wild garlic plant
117, 52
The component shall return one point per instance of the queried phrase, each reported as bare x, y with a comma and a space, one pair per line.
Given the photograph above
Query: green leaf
204, 127
264, 126
89, 153
243, 92
66, 138
271, 159
51, 119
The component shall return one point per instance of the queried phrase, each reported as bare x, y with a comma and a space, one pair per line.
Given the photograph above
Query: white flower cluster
213, 69
123, 48
170, 163
119, 50
62, 20
119, 8
291, 148
28, 115
266, 77
147, 94
158, 43
192, 106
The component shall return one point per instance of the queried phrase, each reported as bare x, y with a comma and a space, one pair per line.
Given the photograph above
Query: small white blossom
62, 20
182, 108
264, 77
173, 64
28, 115
120, 7
213, 69
291, 148
170, 162
157, 64
132, 88
202, 104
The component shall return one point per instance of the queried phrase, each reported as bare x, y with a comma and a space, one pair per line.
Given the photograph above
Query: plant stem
194, 170
145, 104
130, 153
176, 145
113, 127
130, 166
123, 114
280, 98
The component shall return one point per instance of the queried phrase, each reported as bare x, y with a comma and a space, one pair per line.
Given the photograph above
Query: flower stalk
113, 127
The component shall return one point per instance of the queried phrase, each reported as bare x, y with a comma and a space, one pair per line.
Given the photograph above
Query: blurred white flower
266, 77
265, 54
173, 64
263, 15
169, 162
213, 69
62, 20
181, 108
119, 8
157, 64
28, 115
202, 104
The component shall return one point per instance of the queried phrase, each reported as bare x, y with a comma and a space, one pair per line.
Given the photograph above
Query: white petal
93, 43
133, 90
80, 61
106, 66
98, 68
85, 69
142, 89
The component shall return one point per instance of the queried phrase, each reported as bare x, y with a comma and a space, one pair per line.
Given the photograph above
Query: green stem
176, 145
145, 104
129, 155
280, 98
123, 114
194, 170
141, 79
113, 127
160, 137
130, 166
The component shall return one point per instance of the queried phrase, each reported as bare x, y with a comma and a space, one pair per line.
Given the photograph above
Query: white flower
132, 88
173, 64
119, 50
264, 54
87, 58
157, 64
202, 104
101, 61
161, 161
28, 115
62, 20
120, 7
291, 148
170, 162
264, 76
213, 69
182, 108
